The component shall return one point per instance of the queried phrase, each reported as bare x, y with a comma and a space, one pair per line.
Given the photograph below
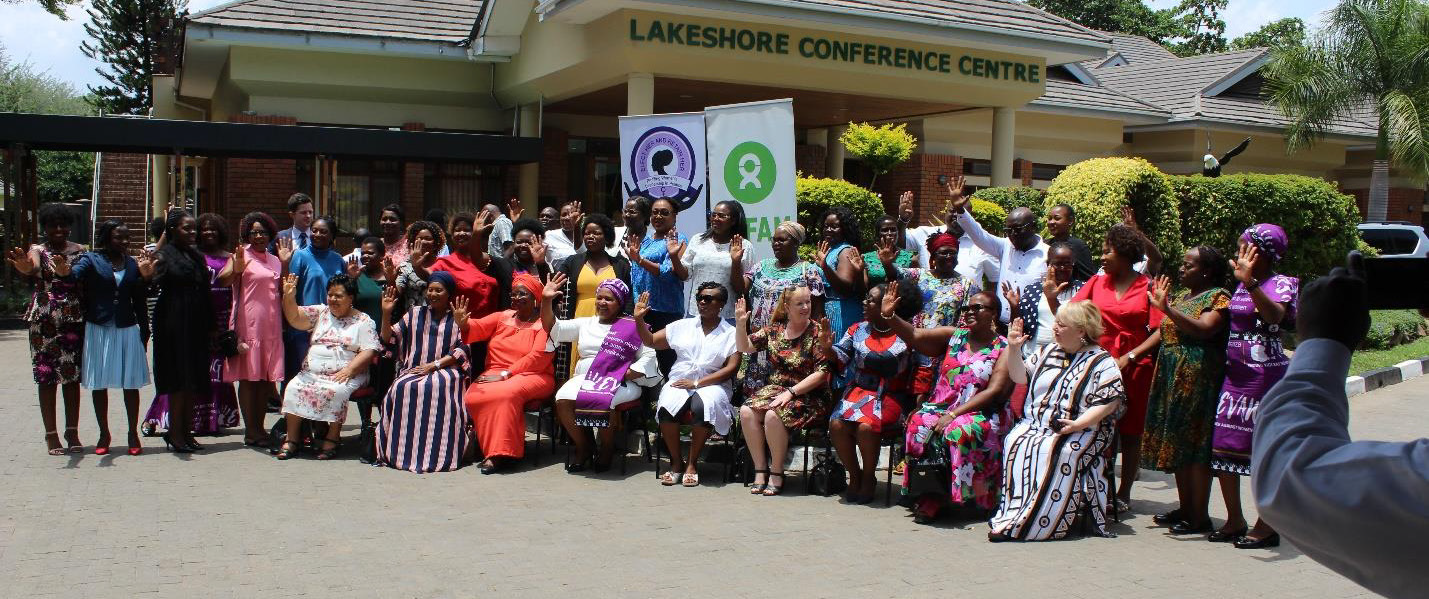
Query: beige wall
1180, 152
1042, 138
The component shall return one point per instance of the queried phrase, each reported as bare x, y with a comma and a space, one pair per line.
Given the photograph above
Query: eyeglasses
705, 299
1018, 228
976, 307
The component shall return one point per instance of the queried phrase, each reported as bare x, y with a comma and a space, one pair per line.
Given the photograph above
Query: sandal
691, 480
74, 446
669, 478
58, 449
772, 490
329, 452
759, 488
288, 450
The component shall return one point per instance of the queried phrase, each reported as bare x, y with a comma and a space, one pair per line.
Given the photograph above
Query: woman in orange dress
518, 370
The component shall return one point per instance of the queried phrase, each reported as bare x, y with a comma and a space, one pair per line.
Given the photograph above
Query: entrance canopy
247, 140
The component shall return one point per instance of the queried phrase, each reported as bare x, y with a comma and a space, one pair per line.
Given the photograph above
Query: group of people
1011, 369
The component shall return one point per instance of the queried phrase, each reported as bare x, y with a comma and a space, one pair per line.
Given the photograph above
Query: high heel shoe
1249, 543
169, 443
102, 447
75, 446
193, 445
134, 447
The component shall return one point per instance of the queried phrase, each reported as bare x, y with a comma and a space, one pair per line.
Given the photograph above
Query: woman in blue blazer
116, 327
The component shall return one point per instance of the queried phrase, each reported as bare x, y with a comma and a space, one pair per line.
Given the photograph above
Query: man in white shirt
1022, 255
561, 243
977, 267
500, 239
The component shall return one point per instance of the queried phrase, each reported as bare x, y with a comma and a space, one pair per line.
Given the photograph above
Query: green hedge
1017, 196
1388, 328
992, 217
1319, 220
1098, 189
814, 196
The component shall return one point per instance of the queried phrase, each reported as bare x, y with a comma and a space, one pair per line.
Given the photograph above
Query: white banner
663, 156
751, 153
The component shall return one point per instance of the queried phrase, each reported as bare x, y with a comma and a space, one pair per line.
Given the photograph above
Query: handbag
226, 342
930, 474
827, 477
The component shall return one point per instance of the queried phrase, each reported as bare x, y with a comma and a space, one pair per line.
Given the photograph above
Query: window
1391, 242
454, 188
977, 167
363, 186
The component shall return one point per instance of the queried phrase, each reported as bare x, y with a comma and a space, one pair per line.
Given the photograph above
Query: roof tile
425, 20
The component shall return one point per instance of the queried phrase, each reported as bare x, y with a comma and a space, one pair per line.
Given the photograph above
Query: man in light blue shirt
1360, 508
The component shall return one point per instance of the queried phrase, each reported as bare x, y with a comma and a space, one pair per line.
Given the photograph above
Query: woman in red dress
1131, 334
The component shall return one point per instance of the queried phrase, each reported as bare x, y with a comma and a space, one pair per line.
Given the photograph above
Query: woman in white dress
613, 367
719, 255
344, 342
698, 389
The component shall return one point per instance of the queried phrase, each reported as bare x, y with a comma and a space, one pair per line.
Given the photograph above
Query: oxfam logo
749, 172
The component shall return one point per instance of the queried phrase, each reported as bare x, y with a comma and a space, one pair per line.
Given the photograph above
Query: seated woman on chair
796, 395
518, 370
613, 367
698, 389
968, 411
423, 426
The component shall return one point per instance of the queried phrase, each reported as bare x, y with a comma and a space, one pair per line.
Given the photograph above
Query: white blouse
709, 261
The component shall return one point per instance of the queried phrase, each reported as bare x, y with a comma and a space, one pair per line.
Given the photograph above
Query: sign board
751, 157
663, 156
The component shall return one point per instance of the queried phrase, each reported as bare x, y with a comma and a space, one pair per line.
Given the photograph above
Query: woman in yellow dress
584, 272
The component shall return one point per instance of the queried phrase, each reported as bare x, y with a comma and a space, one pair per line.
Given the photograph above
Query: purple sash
607, 370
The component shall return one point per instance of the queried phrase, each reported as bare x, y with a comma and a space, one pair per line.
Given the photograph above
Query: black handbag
930, 474
367, 444
827, 477
226, 342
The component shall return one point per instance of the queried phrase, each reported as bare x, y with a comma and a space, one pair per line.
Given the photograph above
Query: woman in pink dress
257, 320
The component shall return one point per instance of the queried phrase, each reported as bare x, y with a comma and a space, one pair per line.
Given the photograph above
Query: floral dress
791, 361
1189, 372
56, 322
943, 301
314, 394
974, 439
766, 283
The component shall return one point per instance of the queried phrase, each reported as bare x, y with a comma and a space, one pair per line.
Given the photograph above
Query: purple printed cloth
1255, 361
608, 368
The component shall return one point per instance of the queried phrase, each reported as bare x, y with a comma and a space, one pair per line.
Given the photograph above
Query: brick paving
232, 522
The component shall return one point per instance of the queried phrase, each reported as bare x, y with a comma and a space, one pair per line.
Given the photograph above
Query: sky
28, 33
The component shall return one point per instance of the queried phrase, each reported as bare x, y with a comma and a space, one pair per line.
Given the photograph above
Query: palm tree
1371, 57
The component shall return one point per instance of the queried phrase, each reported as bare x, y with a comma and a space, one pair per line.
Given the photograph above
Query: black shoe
1186, 528
1227, 537
1248, 543
1168, 518
169, 443
580, 466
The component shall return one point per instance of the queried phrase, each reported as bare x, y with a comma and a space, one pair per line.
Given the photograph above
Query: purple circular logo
662, 165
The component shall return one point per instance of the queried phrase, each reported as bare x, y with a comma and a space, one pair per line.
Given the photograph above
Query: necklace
878, 330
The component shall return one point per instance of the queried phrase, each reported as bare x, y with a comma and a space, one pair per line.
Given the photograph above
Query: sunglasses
1018, 228
976, 308
705, 299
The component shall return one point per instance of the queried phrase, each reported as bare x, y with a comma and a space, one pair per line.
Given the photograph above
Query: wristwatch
1131, 356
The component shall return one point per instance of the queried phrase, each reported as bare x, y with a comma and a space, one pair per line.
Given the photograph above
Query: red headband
942, 240
530, 282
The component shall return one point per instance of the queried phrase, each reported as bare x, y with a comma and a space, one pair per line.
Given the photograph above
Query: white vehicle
1396, 239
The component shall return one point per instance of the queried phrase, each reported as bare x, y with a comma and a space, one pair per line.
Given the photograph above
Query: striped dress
424, 422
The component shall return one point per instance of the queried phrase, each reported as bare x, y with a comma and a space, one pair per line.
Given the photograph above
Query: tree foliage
1202, 29
54, 7
1191, 27
1372, 57
130, 37
880, 147
1289, 31
60, 176
1098, 188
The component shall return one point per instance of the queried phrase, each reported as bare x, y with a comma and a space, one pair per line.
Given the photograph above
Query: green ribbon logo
749, 172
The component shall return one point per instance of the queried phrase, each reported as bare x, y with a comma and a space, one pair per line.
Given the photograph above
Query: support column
161, 189
834, 168
528, 184
639, 94
1004, 129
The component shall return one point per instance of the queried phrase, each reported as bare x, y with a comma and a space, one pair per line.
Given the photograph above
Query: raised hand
957, 202
741, 313
420, 252
1050, 287
580, 214
886, 252
285, 249
821, 251
736, 250
514, 209
673, 245
20, 259
290, 285
59, 264
538, 252
1244, 263
148, 263
554, 287
890, 301
389, 269
1015, 335
1160, 289
905, 207
1012, 295
632, 249
825, 336
1128, 217
857, 262
389, 299
353, 267
459, 308
240, 260
642, 306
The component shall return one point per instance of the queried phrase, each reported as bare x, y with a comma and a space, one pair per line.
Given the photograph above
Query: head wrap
530, 282
617, 287
793, 229
1269, 239
445, 278
942, 240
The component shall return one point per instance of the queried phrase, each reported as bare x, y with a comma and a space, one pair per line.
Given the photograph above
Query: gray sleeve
1360, 508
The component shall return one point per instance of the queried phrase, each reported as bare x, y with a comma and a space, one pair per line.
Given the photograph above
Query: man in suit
300, 210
